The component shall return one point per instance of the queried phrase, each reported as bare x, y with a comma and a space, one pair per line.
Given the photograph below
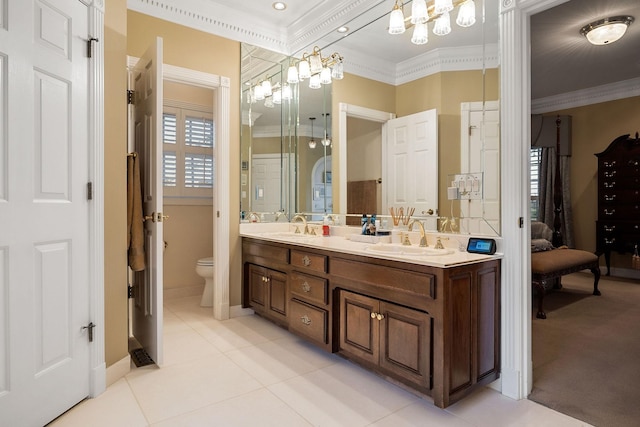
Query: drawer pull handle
610, 198
634, 162
609, 241
306, 287
609, 229
305, 320
609, 165
609, 184
306, 261
610, 174
609, 212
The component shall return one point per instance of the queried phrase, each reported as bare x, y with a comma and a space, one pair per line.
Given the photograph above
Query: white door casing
410, 162
148, 283
480, 152
50, 143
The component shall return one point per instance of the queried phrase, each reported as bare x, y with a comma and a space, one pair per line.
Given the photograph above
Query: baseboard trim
183, 291
625, 273
118, 370
238, 310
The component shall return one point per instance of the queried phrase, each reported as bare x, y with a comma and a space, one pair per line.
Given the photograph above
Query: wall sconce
319, 70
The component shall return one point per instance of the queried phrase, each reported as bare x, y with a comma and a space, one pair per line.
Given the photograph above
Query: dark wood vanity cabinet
436, 330
618, 224
394, 339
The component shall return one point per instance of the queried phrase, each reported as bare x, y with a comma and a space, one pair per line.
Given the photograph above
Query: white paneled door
410, 166
44, 209
147, 285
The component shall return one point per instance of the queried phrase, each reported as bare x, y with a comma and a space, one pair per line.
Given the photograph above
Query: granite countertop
370, 246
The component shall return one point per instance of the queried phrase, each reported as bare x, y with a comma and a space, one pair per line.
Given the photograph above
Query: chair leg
596, 279
540, 291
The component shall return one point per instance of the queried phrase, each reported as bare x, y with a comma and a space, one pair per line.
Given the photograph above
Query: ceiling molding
580, 98
228, 23
451, 59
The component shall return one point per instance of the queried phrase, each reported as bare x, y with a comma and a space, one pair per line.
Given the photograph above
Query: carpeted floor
586, 354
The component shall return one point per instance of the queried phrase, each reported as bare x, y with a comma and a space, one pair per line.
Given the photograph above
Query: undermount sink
289, 235
397, 250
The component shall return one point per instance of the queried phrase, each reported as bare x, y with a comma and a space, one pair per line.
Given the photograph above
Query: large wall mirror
441, 97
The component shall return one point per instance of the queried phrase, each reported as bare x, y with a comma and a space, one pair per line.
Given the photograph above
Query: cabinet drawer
308, 321
311, 288
272, 252
309, 261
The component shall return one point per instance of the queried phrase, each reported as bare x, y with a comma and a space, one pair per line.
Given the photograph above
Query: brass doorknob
380, 316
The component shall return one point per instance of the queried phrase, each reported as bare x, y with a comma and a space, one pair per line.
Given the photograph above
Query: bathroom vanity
428, 323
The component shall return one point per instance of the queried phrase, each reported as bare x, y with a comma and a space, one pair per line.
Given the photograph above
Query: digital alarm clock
479, 245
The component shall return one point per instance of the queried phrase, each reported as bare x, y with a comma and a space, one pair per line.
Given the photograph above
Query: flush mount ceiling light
607, 30
437, 11
279, 5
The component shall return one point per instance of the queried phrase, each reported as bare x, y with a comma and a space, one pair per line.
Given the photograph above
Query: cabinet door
359, 331
277, 294
257, 288
405, 343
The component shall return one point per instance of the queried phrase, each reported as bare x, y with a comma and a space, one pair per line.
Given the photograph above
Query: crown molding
214, 19
580, 98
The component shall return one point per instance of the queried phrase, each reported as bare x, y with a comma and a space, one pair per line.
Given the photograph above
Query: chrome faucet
423, 236
304, 221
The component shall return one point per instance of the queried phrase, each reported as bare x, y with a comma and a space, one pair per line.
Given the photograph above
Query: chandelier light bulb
315, 63
304, 72
396, 20
419, 13
420, 34
442, 26
292, 75
258, 92
286, 92
337, 72
277, 96
466, 14
266, 88
314, 82
325, 76
442, 6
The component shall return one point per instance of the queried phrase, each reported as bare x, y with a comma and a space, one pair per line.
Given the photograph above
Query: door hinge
129, 291
90, 327
90, 46
131, 97
89, 190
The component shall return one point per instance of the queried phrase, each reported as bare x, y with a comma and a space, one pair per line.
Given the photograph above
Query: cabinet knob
380, 316
306, 287
373, 315
305, 320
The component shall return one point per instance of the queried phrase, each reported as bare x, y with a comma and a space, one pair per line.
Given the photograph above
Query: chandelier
318, 69
438, 12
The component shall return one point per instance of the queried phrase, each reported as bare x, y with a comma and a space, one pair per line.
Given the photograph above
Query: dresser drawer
311, 288
308, 321
310, 261
266, 251
619, 211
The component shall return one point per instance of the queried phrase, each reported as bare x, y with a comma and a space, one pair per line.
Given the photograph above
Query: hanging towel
135, 220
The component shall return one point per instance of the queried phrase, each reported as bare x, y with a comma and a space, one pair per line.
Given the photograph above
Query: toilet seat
205, 262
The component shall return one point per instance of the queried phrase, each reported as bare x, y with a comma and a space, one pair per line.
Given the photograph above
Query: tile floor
247, 372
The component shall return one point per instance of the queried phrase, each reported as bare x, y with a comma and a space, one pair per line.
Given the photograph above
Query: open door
147, 284
410, 163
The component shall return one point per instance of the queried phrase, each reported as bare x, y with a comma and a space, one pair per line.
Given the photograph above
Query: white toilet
205, 269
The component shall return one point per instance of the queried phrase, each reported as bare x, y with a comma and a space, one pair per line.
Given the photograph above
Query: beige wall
115, 155
594, 127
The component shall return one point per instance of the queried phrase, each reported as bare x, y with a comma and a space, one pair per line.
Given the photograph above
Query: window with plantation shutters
188, 160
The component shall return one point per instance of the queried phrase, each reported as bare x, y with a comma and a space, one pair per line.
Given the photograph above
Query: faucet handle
297, 230
405, 239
